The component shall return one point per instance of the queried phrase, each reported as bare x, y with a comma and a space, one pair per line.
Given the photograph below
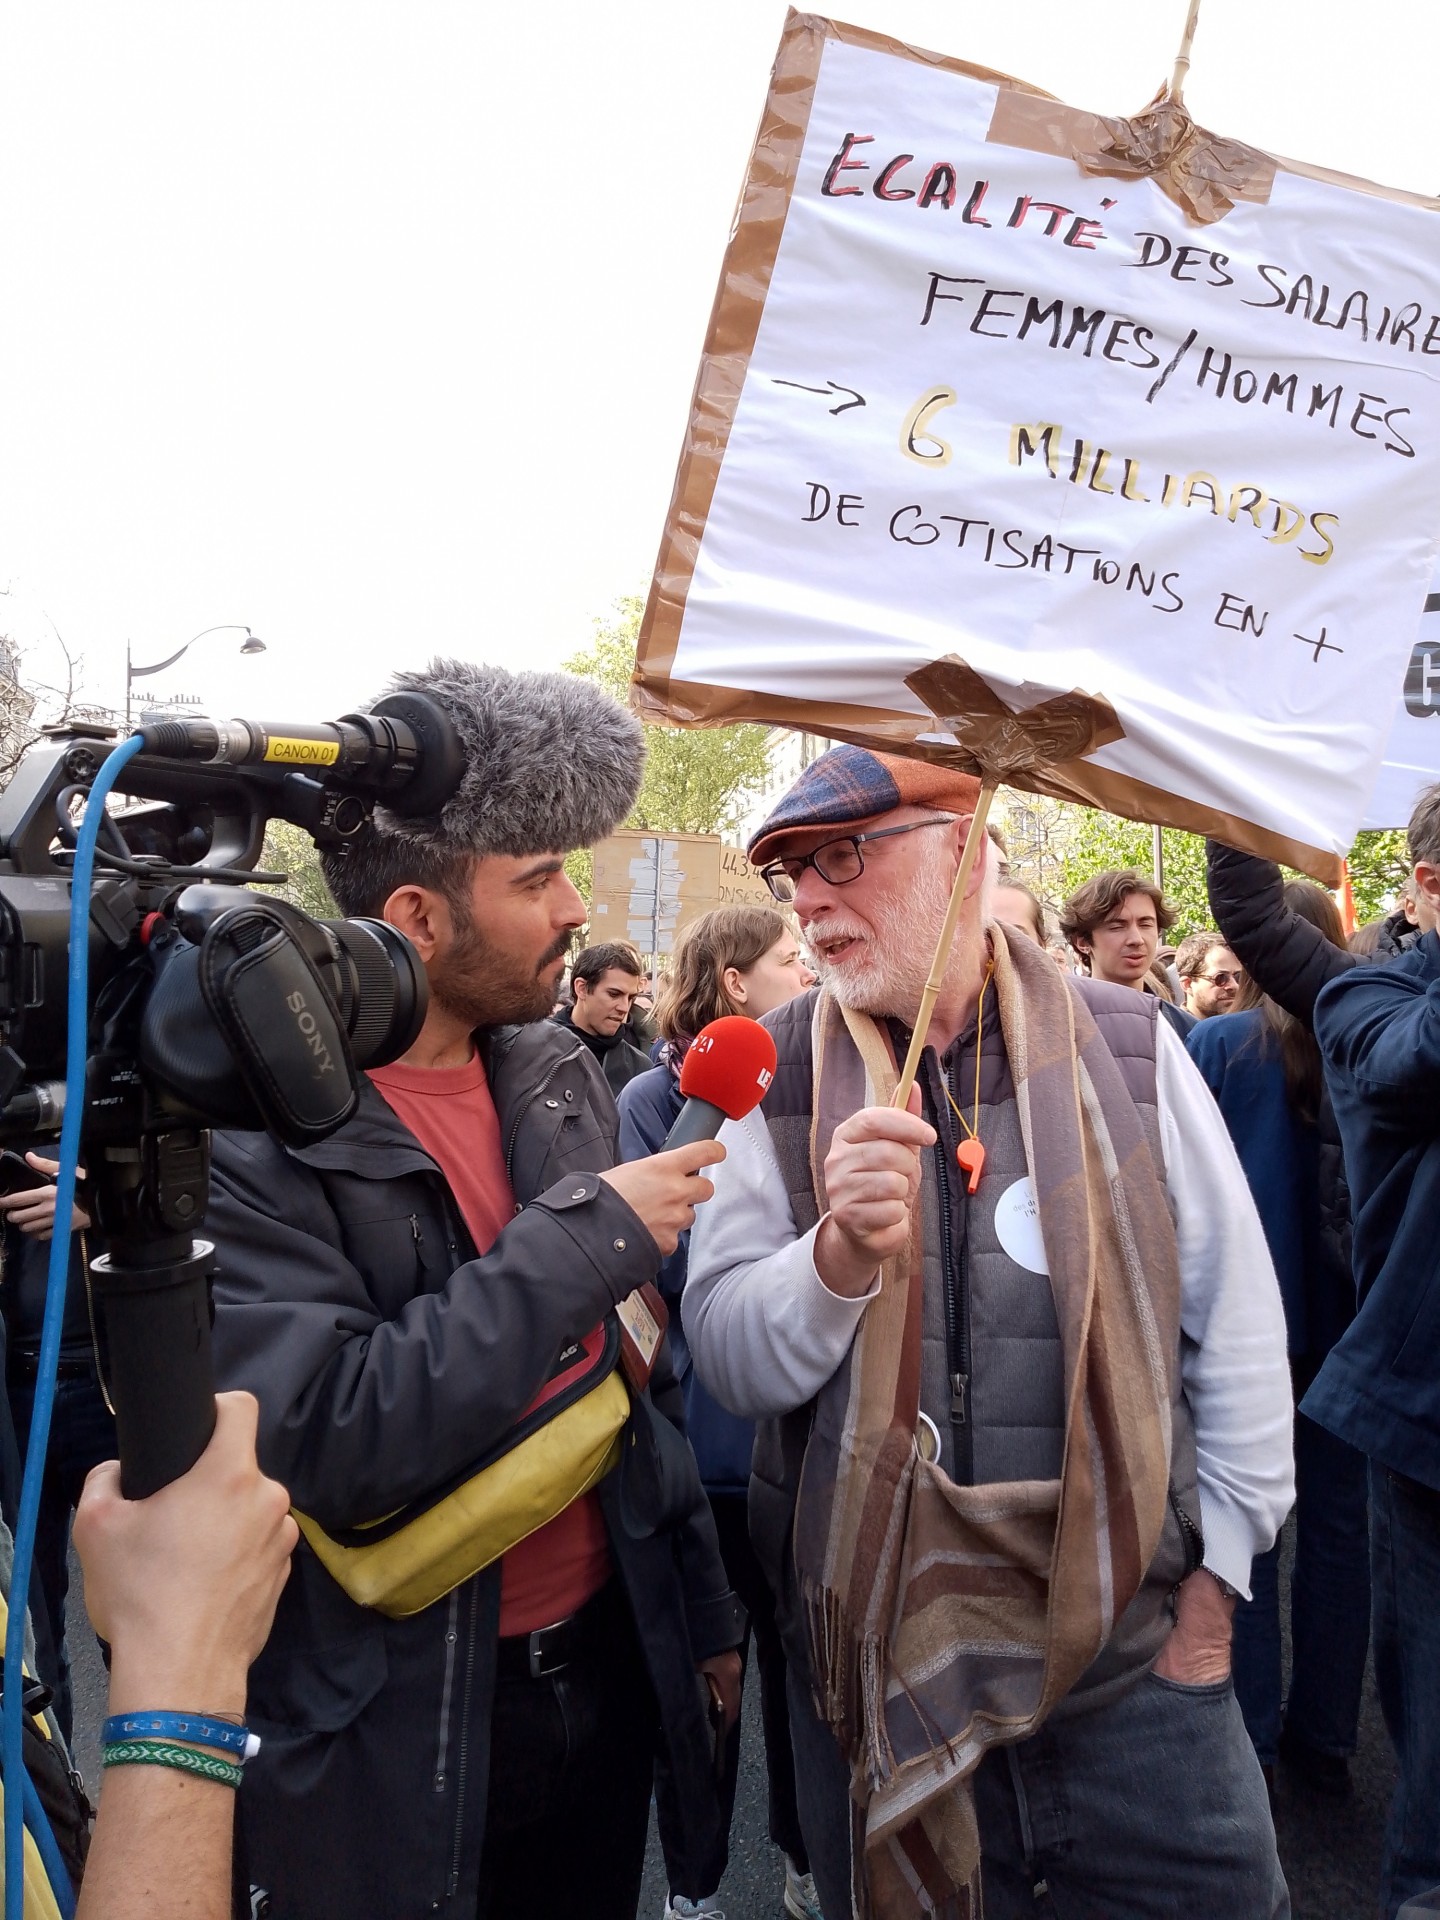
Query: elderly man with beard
401, 1299
1019, 1360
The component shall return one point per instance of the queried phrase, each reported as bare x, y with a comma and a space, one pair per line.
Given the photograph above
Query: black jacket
1397, 935
621, 1060
1284, 955
386, 1357
1291, 960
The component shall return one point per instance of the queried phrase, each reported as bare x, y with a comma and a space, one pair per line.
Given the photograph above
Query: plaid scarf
943, 1619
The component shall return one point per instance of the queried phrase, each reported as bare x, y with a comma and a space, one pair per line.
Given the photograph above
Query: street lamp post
251, 644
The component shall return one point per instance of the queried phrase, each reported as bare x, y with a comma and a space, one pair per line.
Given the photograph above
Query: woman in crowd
1016, 906
1365, 940
739, 960
1263, 1066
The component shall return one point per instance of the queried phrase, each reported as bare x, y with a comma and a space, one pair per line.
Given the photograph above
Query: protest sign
1412, 757
963, 399
740, 883
647, 886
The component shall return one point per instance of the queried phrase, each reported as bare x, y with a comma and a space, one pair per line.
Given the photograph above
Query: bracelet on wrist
163, 1753
190, 1729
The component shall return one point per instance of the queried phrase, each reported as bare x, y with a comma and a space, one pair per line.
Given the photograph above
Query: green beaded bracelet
163, 1753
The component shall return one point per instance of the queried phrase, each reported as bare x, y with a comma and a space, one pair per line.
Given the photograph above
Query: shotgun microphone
404, 749
724, 1076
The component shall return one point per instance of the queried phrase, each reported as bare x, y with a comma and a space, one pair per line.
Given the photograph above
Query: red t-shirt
451, 1113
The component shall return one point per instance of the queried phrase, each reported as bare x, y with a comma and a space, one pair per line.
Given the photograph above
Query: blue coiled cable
76, 1045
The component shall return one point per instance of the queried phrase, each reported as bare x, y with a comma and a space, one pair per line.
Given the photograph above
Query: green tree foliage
291, 851
1378, 864
697, 779
1101, 840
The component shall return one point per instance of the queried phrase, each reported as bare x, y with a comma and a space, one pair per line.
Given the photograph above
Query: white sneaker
677, 1907
801, 1899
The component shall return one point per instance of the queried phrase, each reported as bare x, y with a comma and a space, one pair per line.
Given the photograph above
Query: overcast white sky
374, 326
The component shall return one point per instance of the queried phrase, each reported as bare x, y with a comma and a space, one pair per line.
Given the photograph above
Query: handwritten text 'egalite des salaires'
1391, 327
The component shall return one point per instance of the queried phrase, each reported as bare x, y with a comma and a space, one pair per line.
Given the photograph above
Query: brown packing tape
1003, 743
1203, 173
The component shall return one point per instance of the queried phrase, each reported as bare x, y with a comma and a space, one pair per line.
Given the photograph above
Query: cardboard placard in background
740, 883
647, 886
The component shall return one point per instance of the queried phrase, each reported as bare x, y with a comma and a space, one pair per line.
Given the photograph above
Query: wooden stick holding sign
974, 840
996, 742
1182, 59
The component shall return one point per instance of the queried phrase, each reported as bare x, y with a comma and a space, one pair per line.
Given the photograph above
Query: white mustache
817, 932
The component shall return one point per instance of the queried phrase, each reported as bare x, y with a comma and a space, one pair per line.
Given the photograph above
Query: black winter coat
386, 1357
1291, 960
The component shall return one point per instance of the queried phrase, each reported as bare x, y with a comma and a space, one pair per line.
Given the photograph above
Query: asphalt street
1330, 1848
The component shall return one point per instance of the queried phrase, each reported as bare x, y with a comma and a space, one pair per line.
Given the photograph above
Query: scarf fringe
847, 1679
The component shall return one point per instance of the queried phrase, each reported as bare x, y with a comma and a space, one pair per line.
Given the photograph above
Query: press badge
643, 1318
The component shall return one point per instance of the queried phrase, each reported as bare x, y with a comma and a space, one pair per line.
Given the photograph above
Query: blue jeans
1405, 1550
1149, 1808
1329, 1607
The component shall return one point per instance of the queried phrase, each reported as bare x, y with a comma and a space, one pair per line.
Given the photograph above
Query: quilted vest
991, 1378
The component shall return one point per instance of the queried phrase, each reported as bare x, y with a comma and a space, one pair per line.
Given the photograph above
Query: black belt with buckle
26, 1366
531, 1656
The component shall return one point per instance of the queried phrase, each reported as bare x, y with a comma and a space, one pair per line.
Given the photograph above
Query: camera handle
152, 1298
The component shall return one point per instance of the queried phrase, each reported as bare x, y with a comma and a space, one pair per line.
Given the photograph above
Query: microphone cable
12, 1762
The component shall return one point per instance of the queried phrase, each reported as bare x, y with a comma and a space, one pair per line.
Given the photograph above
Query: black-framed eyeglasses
838, 861
1225, 977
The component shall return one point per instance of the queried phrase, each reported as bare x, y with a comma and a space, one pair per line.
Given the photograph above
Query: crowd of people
975, 1415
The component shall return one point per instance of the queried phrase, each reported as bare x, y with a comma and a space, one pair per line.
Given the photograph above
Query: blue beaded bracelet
195, 1728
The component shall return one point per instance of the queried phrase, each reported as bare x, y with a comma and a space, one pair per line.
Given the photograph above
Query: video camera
210, 1004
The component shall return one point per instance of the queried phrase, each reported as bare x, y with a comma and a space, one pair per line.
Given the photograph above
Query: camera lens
379, 986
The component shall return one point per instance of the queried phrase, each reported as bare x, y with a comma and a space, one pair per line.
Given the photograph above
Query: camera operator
183, 1585
82, 1428
398, 1296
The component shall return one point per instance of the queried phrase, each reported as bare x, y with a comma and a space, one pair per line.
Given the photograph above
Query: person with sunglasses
1209, 973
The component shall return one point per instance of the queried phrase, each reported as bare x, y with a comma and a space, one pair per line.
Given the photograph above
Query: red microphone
724, 1076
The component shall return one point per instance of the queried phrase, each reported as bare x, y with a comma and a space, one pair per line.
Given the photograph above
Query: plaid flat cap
849, 788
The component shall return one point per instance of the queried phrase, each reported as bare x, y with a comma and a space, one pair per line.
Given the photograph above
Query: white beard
884, 973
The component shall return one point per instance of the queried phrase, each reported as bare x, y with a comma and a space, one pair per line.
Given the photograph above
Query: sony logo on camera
309, 1027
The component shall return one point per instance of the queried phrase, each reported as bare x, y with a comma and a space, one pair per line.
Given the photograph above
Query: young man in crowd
1379, 1032
1209, 973
398, 1297
606, 983
1114, 922
1025, 1419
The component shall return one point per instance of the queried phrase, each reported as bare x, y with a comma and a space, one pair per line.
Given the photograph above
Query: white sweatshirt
767, 1333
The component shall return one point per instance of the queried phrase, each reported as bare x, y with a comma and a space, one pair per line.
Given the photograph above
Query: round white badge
1017, 1227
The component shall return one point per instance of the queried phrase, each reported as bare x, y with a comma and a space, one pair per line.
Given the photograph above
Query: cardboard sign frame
1024, 116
